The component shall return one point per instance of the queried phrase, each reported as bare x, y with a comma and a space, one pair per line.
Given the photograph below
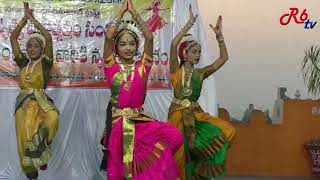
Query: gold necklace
186, 91
28, 73
127, 70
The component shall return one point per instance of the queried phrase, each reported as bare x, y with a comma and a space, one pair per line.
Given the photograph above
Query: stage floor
266, 178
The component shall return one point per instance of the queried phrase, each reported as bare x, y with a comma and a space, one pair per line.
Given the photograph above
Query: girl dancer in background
206, 137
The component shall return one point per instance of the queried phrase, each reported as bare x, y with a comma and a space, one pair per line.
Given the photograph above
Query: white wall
262, 54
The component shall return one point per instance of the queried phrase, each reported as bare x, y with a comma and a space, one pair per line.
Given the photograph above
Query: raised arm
15, 34
110, 34
219, 62
49, 47
148, 44
174, 64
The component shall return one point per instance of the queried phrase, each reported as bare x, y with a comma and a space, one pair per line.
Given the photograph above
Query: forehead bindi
127, 38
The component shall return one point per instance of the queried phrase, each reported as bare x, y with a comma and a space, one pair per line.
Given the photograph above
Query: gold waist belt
127, 112
185, 102
31, 90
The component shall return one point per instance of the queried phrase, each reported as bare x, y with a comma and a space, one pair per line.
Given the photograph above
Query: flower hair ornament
186, 44
40, 38
128, 27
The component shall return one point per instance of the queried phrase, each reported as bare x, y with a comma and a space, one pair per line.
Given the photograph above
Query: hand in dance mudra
193, 17
218, 28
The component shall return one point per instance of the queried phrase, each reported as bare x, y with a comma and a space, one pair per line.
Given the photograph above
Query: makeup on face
34, 49
127, 46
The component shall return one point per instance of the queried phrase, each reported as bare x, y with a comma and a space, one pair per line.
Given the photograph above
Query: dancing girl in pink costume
136, 145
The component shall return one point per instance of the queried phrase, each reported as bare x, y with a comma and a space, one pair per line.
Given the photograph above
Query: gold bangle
190, 23
219, 36
222, 44
220, 39
189, 26
184, 31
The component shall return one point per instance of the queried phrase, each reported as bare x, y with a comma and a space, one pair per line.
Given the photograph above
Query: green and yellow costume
206, 138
